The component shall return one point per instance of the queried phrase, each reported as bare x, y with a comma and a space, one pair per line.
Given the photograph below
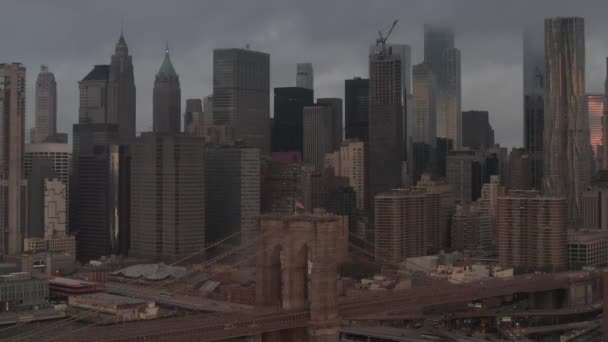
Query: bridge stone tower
297, 258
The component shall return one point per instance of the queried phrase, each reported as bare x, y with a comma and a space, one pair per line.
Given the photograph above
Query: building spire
167, 67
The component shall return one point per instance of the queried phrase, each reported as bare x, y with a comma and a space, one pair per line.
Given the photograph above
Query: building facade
356, 108
477, 133
532, 231
232, 183
241, 95
289, 103
46, 106
121, 97
595, 113
304, 76
12, 136
336, 119
350, 161
317, 132
167, 196
567, 165
386, 144
166, 110
464, 173
520, 166
194, 119
534, 76
425, 100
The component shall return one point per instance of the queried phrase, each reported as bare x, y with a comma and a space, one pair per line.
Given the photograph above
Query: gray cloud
72, 35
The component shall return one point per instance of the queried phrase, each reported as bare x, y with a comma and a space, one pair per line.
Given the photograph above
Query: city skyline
490, 45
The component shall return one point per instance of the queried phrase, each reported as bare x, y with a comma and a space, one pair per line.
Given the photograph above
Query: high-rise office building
403, 219
532, 231
167, 99
567, 164
318, 131
93, 89
336, 120
304, 76
442, 191
472, 230
232, 185
193, 116
386, 144
595, 113
425, 99
46, 107
12, 135
42, 170
464, 173
121, 92
477, 133
289, 103
60, 156
350, 161
167, 196
520, 163
444, 60
356, 108
241, 95
534, 103
282, 186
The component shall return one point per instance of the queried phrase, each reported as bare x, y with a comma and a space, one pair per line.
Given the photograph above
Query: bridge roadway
215, 327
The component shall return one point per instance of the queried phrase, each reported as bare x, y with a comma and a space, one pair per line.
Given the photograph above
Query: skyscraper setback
241, 95
444, 60
121, 92
166, 109
46, 106
534, 105
12, 133
566, 142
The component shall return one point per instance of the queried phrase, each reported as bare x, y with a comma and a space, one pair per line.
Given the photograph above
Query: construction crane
381, 41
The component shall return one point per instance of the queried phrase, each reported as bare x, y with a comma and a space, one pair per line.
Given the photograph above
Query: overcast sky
70, 36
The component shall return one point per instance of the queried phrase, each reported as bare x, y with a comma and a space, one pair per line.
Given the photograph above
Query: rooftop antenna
167, 46
381, 41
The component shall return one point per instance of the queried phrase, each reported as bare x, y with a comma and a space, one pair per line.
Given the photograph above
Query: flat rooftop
110, 299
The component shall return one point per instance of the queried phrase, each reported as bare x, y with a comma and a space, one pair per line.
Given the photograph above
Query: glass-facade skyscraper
534, 94
566, 136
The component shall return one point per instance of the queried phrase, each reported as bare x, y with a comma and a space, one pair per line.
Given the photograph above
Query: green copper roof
167, 67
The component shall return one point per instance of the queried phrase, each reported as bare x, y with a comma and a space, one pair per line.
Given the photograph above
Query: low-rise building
19, 291
587, 249
114, 308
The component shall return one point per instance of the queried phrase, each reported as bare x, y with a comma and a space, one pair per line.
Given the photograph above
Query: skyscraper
444, 60
350, 161
167, 99
567, 165
304, 76
356, 108
386, 145
193, 117
534, 103
336, 120
121, 92
93, 89
241, 95
595, 112
464, 172
317, 135
167, 196
289, 103
425, 99
232, 183
605, 123
46, 106
12, 134
477, 133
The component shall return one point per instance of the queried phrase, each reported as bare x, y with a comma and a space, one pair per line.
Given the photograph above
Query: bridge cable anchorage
29, 334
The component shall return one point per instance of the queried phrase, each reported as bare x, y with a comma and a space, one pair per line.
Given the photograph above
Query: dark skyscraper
121, 92
534, 94
241, 95
289, 104
167, 98
477, 133
336, 120
356, 108
386, 148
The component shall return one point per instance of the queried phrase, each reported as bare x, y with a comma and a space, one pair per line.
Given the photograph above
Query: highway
180, 301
